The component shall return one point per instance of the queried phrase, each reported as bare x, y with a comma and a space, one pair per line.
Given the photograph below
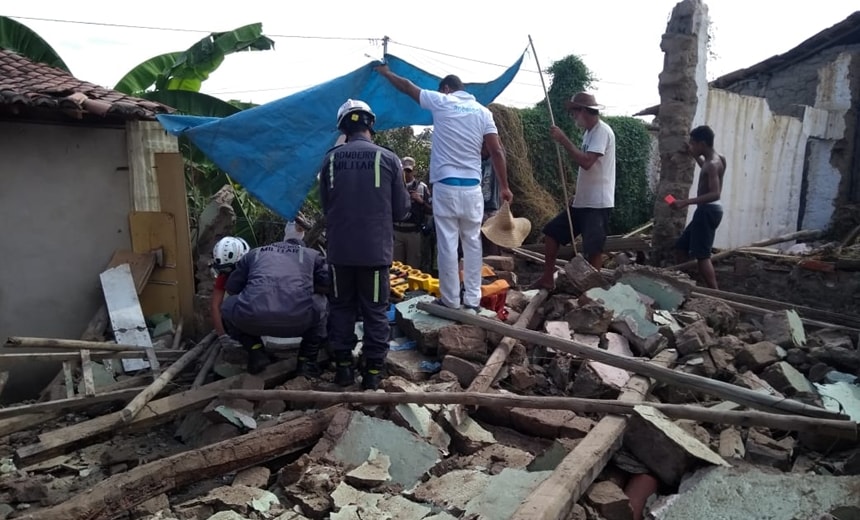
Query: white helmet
228, 251
352, 106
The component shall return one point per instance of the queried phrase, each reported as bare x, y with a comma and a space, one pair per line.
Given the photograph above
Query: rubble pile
219, 444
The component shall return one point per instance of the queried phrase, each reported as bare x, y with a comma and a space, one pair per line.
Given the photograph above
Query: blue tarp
275, 150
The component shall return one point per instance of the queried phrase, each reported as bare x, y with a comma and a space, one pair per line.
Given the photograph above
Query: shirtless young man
698, 237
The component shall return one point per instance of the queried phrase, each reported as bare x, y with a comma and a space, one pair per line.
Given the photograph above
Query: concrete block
550, 424
693, 338
257, 477
784, 328
582, 276
408, 364
664, 447
731, 444
589, 318
420, 326
453, 490
521, 378
411, 457
761, 449
465, 371
758, 356
496, 457
466, 434
504, 493
589, 383
719, 315
464, 341
609, 500
788, 381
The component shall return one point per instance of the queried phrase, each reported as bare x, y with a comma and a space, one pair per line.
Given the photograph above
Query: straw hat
504, 230
583, 100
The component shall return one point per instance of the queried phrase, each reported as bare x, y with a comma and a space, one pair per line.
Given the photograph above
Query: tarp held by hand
275, 150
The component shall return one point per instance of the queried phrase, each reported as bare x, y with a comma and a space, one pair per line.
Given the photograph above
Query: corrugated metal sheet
764, 155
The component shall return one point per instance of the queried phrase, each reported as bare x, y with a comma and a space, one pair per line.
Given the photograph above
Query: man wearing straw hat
595, 188
461, 126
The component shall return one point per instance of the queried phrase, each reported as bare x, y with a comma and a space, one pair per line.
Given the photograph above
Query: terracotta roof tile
24, 83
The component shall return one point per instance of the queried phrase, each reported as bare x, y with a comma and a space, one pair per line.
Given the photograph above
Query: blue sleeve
239, 277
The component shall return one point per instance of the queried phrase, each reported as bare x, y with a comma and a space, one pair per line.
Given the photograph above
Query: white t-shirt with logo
595, 187
459, 126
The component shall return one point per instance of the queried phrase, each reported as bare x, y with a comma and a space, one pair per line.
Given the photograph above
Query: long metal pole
557, 148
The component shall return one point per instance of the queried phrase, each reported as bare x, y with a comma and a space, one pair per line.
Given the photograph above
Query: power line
180, 29
457, 57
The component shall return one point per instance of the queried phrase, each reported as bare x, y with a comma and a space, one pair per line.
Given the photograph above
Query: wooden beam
72, 403
116, 495
714, 387
144, 139
131, 410
554, 498
844, 429
208, 363
75, 344
53, 357
806, 234
752, 309
64, 440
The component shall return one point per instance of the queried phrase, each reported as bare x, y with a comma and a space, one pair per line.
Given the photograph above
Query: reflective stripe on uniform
376, 167
334, 281
376, 284
331, 171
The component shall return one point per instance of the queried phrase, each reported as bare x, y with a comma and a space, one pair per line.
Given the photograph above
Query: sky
619, 40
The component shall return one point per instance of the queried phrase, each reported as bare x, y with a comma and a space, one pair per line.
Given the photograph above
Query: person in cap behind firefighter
362, 194
276, 290
409, 233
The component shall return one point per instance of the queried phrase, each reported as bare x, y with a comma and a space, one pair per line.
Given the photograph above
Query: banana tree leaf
17, 37
194, 65
193, 103
140, 78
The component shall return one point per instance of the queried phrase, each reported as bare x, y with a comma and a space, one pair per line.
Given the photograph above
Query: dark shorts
698, 237
591, 223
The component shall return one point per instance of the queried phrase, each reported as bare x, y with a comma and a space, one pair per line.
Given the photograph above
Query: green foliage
634, 201
143, 76
405, 143
17, 37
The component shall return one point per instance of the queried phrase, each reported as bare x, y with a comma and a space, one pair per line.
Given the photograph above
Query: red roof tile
24, 83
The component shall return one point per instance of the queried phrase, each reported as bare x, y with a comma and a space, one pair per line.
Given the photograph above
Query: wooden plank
87, 373
727, 391
67, 344
136, 405
70, 438
69, 378
144, 139
116, 495
174, 200
23, 422
554, 497
806, 234
72, 403
126, 316
151, 231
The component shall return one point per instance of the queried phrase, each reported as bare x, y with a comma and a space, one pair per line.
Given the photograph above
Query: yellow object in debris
494, 288
433, 287
420, 281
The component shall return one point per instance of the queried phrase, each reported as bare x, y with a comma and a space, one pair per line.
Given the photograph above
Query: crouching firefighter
278, 290
362, 193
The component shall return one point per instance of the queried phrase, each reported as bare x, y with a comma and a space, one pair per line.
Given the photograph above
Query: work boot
344, 374
258, 359
309, 352
371, 375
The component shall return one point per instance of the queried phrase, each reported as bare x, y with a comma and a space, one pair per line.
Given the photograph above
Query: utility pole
384, 47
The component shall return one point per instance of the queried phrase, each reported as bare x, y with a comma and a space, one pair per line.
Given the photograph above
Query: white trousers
457, 211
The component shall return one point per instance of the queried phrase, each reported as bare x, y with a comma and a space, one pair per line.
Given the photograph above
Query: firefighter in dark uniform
362, 193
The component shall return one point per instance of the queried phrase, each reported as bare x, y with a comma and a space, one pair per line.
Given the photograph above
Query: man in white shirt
595, 188
461, 126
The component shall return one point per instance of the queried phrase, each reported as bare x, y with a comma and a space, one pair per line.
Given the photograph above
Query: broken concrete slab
731, 444
467, 435
420, 420
831, 338
504, 493
717, 493
664, 447
496, 457
784, 328
550, 424
241, 499
345, 495
669, 291
693, 338
464, 371
372, 473
453, 490
630, 317
521, 378
411, 457
589, 318
761, 449
419, 326
409, 364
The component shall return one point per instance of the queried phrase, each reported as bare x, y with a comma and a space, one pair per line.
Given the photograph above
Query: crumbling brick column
685, 52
